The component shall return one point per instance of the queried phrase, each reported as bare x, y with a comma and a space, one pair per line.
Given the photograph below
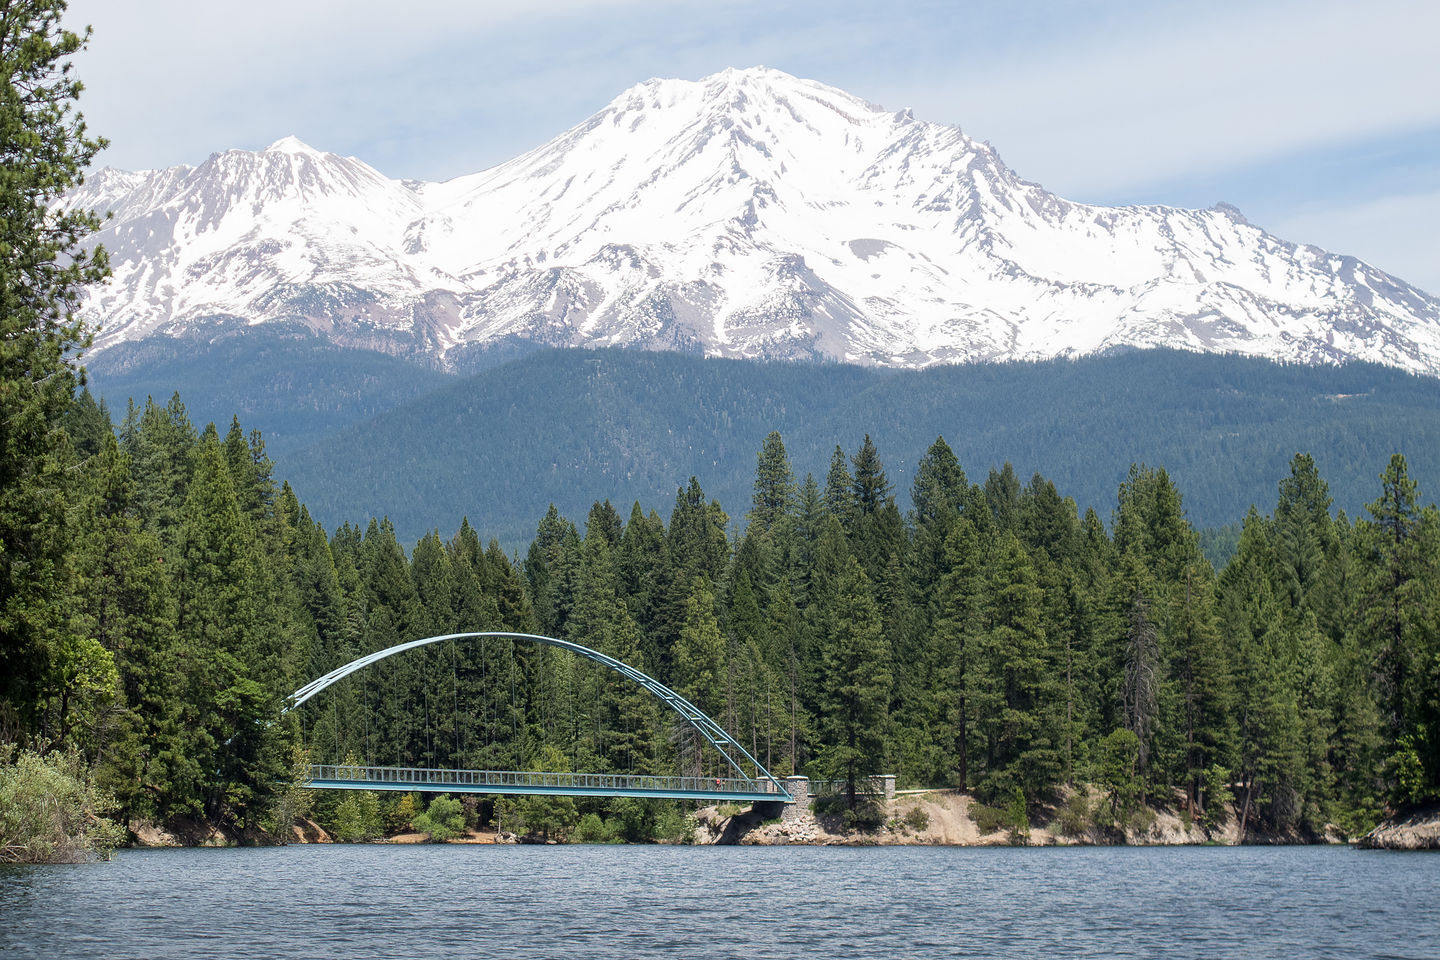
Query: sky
1320, 120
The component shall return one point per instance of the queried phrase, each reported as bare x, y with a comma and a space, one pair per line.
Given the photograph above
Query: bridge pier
797, 787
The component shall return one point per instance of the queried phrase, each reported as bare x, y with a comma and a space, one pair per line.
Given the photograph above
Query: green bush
51, 810
1073, 817
867, 815
1412, 781
1013, 818
357, 817
443, 820
1018, 815
916, 818
591, 829
672, 825
988, 819
401, 814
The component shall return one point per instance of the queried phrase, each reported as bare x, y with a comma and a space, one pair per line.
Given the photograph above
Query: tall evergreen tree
1015, 669
46, 147
700, 667
774, 495
838, 498
856, 693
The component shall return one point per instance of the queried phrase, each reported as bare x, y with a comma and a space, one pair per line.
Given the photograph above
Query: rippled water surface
467, 901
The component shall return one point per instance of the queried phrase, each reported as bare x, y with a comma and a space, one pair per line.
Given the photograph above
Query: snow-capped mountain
746, 214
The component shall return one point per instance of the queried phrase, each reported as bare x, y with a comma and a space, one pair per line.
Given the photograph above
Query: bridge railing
421, 776
864, 786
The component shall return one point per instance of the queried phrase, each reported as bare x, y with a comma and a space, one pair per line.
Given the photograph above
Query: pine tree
1015, 666
1305, 541
783, 630
940, 485
604, 517
857, 684
224, 634
774, 495
392, 614
700, 666
161, 446
925, 648
838, 498
618, 714
1400, 547
46, 147
1140, 692
640, 560
870, 488
960, 619
88, 424
128, 608
1002, 496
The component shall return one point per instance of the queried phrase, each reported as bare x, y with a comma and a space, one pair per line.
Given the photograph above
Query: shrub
1014, 818
444, 820
988, 819
51, 810
1073, 817
591, 829
1018, 816
402, 813
867, 815
294, 801
917, 819
673, 825
357, 817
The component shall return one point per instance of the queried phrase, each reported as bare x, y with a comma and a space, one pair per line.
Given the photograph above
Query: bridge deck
325, 776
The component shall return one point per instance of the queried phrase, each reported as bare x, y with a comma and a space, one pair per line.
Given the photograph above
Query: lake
647, 901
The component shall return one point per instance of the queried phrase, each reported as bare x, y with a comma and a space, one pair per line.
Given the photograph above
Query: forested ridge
570, 426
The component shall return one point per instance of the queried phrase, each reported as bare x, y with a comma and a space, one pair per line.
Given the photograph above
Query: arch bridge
749, 780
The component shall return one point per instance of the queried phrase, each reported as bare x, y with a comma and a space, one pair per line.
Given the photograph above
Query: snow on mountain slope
746, 214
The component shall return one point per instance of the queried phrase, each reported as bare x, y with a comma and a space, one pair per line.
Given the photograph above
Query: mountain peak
748, 213
741, 89
292, 144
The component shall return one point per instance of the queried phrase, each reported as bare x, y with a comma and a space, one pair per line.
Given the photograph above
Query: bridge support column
797, 787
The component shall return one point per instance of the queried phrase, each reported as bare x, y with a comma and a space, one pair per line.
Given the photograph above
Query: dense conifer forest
571, 426
990, 637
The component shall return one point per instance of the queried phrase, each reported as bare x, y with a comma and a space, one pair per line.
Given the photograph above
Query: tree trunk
962, 746
1245, 811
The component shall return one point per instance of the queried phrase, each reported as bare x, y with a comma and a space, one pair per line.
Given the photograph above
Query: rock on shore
1417, 830
943, 817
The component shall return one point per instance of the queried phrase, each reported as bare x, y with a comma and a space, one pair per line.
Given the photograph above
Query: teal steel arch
692, 714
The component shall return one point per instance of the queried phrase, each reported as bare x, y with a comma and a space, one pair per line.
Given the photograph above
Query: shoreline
914, 818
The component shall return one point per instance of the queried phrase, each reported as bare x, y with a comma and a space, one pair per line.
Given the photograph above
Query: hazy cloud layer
1106, 101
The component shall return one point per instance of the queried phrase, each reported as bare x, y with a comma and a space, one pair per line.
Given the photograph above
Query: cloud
171, 81
1154, 98
1089, 96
